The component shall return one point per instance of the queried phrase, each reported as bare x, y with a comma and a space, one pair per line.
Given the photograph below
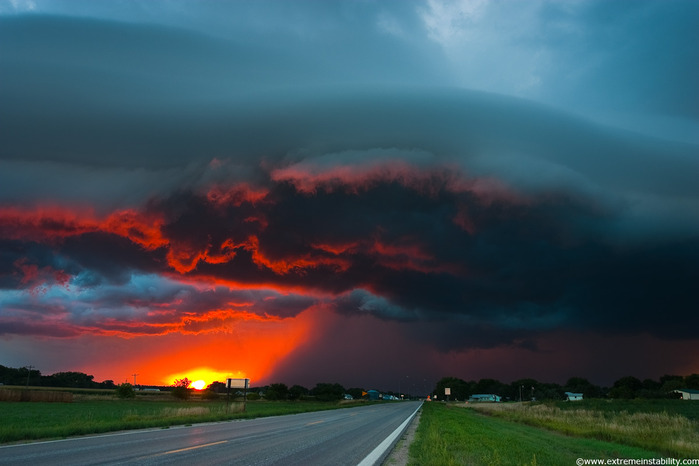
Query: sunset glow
198, 384
349, 191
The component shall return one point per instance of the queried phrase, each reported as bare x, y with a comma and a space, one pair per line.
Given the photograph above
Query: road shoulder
400, 454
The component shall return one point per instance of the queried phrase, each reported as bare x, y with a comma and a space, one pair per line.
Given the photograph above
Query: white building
488, 397
688, 393
570, 396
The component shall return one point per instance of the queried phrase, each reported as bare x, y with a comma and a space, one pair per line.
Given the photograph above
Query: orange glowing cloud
184, 257
336, 248
142, 229
249, 349
297, 262
51, 223
45, 223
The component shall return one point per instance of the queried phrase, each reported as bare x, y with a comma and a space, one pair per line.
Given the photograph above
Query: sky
378, 194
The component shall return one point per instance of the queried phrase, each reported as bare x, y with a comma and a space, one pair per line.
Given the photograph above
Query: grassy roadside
636, 423
33, 421
450, 435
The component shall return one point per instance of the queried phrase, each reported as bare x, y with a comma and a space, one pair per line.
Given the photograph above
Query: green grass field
33, 421
666, 426
452, 435
683, 408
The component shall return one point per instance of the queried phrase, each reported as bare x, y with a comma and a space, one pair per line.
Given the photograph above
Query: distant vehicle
348, 396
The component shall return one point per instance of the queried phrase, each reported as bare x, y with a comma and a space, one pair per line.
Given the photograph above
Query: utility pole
29, 371
134, 379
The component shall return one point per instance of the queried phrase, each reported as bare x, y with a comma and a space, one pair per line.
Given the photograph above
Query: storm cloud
173, 179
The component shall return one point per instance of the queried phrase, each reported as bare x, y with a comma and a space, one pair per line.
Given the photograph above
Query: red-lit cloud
410, 243
54, 223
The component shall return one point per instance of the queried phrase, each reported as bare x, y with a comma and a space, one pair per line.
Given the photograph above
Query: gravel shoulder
400, 454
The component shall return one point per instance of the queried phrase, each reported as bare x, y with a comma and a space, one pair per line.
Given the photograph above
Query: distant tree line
282, 392
25, 376
524, 389
528, 389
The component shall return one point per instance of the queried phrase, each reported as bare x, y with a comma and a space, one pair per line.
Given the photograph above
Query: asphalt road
347, 436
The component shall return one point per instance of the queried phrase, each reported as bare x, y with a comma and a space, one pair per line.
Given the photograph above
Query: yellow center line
192, 448
311, 423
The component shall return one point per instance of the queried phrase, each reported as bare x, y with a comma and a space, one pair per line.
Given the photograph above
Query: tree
692, 381
14, 376
125, 390
671, 382
581, 385
218, 387
181, 388
328, 391
70, 379
297, 391
107, 384
626, 387
182, 383
459, 388
524, 389
277, 391
650, 389
493, 386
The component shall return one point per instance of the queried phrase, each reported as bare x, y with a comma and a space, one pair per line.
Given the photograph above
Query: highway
347, 436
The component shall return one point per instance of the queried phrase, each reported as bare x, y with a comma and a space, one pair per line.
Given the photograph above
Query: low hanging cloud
400, 234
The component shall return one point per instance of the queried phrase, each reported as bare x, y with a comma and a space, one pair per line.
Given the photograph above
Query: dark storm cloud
216, 163
397, 250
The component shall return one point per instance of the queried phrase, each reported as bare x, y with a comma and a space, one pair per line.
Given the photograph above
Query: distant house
485, 397
688, 393
570, 396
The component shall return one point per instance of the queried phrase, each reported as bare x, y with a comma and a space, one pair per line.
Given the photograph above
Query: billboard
238, 383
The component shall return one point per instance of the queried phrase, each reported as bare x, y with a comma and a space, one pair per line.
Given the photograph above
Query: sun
198, 385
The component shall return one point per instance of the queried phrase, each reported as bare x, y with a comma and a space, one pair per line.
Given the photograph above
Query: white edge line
88, 436
378, 452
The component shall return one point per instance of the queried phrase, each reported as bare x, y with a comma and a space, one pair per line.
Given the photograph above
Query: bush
125, 390
181, 393
209, 395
